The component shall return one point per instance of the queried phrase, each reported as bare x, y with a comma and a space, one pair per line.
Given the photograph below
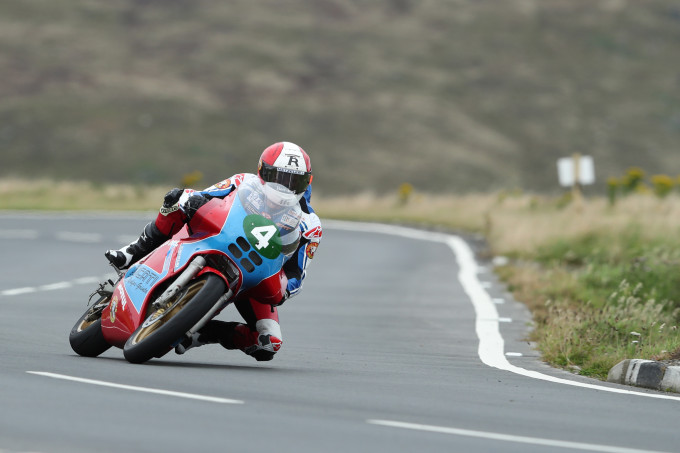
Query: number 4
263, 234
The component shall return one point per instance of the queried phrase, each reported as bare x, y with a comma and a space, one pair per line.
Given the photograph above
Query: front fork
185, 277
219, 305
189, 273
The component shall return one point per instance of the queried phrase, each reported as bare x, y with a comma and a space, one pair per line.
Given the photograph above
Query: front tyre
164, 327
87, 338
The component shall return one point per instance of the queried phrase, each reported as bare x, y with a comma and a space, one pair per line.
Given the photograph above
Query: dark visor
297, 182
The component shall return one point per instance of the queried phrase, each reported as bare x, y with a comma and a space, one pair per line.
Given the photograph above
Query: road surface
393, 346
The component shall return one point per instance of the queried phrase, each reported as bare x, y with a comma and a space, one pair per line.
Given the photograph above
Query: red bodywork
121, 317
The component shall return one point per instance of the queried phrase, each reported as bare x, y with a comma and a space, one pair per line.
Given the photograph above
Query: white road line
53, 286
212, 399
18, 291
87, 280
491, 343
78, 237
69, 236
510, 438
56, 286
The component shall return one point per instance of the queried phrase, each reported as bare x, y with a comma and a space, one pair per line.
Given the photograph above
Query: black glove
172, 197
193, 204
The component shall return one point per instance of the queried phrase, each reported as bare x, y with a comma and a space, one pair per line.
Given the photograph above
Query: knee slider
265, 349
263, 356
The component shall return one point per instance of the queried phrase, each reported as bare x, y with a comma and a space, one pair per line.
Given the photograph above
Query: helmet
287, 164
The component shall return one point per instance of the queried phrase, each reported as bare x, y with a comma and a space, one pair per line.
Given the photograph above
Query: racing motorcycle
232, 247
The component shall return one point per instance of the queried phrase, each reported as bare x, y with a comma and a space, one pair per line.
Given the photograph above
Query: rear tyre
165, 327
86, 337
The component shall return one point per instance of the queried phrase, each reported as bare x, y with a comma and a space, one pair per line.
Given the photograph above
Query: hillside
449, 95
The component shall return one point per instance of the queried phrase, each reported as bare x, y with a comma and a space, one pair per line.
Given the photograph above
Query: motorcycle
232, 247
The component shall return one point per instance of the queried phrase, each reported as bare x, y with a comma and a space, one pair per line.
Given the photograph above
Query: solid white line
510, 438
491, 343
193, 396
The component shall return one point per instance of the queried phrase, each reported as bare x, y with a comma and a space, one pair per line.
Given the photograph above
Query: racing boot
234, 335
193, 341
265, 349
151, 238
212, 332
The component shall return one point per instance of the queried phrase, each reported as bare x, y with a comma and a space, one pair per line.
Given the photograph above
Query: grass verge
602, 281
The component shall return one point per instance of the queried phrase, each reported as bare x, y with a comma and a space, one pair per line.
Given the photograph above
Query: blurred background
450, 96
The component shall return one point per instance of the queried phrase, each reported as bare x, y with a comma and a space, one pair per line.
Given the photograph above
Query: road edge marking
491, 343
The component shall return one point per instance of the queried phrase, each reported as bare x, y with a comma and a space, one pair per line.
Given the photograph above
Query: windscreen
275, 203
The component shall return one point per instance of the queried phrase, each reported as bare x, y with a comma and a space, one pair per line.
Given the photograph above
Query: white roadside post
574, 172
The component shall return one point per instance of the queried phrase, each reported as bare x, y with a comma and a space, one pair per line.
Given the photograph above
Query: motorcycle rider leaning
260, 337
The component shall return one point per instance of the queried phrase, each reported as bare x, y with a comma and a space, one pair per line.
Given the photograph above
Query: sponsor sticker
311, 249
139, 283
143, 279
165, 211
223, 185
314, 233
238, 179
114, 307
255, 201
288, 220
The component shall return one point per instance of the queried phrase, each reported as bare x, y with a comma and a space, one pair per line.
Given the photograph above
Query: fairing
245, 228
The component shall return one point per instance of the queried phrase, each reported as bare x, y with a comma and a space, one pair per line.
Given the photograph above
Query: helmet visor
295, 181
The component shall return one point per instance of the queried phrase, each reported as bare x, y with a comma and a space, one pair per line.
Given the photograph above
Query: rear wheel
87, 338
166, 326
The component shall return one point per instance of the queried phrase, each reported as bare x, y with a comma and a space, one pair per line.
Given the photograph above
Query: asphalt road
381, 354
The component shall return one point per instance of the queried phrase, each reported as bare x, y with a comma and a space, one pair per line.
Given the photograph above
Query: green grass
601, 262
592, 339
602, 297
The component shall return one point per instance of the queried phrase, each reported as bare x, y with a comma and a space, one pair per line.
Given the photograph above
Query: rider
284, 163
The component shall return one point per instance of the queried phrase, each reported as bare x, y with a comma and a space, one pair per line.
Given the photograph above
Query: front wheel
87, 338
165, 326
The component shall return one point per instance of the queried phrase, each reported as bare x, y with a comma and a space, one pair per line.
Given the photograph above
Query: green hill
449, 95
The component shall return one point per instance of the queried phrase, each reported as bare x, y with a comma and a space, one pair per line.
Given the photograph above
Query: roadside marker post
574, 172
